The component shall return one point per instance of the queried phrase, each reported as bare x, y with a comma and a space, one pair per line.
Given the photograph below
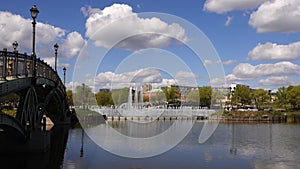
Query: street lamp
55, 48
64, 69
34, 12
15, 46
83, 93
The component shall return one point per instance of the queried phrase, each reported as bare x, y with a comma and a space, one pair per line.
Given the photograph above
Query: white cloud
16, 28
164, 82
277, 16
277, 81
229, 62
246, 71
147, 75
51, 61
119, 22
72, 85
208, 62
186, 78
228, 20
218, 82
273, 51
141, 76
73, 44
223, 6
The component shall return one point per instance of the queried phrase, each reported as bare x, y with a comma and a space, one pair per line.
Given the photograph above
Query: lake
232, 145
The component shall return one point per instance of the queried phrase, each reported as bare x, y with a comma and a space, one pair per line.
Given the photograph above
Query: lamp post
64, 69
83, 93
15, 46
55, 48
34, 12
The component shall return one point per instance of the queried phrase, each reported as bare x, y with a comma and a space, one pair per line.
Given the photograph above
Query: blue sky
257, 41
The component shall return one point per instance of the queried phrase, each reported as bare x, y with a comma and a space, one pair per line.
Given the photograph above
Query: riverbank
273, 117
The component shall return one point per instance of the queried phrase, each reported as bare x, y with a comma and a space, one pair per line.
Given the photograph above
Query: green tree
281, 95
293, 96
157, 98
193, 97
84, 93
261, 97
172, 94
241, 95
120, 96
11, 98
205, 95
104, 98
70, 97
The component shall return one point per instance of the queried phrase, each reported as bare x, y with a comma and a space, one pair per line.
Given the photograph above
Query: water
233, 145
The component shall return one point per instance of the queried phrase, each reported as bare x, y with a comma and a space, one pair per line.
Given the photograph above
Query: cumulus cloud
228, 20
142, 76
277, 16
117, 80
229, 62
208, 62
51, 61
246, 71
277, 81
118, 22
223, 6
72, 85
16, 28
73, 44
273, 51
186, 78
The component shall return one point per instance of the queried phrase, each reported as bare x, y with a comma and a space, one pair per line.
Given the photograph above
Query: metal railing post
16, 64
5, 63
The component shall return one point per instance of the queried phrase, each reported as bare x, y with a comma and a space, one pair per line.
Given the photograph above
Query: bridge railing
17, 65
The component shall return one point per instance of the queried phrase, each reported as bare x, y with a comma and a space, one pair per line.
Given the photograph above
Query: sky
111, 44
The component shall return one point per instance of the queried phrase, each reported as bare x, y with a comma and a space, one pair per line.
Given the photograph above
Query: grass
81, 112
10, 112
259, 113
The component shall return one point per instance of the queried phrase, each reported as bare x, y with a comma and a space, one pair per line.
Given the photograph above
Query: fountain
135, 108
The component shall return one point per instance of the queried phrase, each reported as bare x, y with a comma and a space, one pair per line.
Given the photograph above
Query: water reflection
233, 145
52, 159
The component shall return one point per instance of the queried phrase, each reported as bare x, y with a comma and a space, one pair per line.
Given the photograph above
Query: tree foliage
241, 95
104, 98
261, 97
120, 96
84, 94
293, 96
172, 94
205, 94
70, 97
281, 95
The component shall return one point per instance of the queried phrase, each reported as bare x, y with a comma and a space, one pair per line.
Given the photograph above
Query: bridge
41, 93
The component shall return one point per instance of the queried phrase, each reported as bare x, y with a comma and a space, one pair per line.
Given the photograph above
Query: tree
282, 99
261, 97
104, 98
193, 97
11, 98
241, 95
205, 95
70, 97
293, 96
120, 96
84, 93
157, 98
172, 94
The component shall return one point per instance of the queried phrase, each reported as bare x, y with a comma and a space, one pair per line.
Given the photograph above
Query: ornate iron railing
14, 65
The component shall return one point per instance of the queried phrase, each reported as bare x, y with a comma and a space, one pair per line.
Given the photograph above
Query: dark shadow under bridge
41, 93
